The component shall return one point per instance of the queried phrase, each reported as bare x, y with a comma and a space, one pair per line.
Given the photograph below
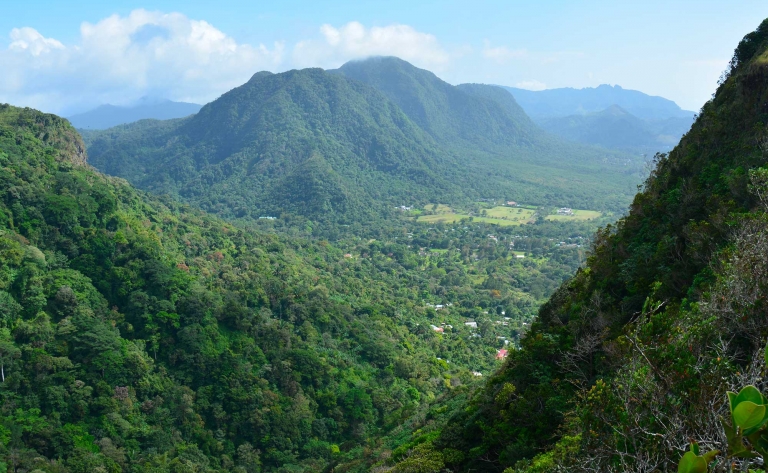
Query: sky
67, 57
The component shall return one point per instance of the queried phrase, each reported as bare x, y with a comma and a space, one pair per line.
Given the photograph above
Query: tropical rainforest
324, 149
167, 328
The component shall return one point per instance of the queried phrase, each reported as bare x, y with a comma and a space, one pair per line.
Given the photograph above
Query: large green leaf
692, 463
748, 414
749, 393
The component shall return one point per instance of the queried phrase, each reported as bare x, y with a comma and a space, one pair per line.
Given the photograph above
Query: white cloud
531, 85
502, 54
355, 41
119, 59
29, 40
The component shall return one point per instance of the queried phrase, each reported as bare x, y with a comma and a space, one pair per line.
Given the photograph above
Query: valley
367, 269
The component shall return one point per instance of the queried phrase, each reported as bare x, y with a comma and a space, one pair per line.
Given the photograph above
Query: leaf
760, 443
748, 414
709, 457
749, 393
692, 463
732, 400
695, 448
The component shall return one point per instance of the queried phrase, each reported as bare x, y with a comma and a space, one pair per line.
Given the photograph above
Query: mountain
462, 116
301, 142
553, 103
629, 364
322, 146
140, 334
107, 116
616, 128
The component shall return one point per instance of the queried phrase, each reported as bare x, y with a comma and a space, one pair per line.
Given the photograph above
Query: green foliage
317, 151
637, 350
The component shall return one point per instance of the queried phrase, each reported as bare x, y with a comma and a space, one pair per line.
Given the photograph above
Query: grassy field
445, 218
515, 214
501, 215
499, 221
578, 215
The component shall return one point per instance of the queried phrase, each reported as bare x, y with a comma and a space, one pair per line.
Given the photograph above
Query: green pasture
578, 215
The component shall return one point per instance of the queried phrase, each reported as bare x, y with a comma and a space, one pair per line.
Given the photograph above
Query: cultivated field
578, 215
514, 214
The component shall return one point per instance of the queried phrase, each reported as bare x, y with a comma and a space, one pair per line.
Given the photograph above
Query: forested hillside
631, 359
616, 128
139, 334
318, 150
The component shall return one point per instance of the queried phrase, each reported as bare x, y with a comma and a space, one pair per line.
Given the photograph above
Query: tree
8, 351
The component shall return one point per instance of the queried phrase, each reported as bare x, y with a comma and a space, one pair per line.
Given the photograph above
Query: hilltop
324, 147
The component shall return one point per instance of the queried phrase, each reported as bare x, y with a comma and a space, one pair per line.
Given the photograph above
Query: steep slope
631, 359
240, 153
137, 334
313, 145
107, 116
448, 113
553, 103
616, 128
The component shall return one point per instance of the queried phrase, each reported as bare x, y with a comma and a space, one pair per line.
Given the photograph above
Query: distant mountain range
616, 128
608, 116
554, 103
350, 145
107, 116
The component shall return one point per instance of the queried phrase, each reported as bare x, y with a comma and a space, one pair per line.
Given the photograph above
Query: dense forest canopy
630, 360
141, 334
321, 149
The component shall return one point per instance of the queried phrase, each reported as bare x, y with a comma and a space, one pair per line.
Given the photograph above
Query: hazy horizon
68, 59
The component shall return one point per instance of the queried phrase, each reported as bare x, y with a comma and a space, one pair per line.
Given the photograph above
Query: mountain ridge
107, 116
552, 103
238, 154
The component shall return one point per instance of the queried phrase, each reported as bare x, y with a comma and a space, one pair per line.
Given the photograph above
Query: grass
510, 213
500, 215
445, 218
578, 215
499, 221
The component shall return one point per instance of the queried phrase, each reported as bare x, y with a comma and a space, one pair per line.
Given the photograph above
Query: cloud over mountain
354, 41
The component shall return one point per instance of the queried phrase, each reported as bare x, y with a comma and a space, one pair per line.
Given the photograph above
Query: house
512, 203
348, 255
267, 218
564, 211
471, 324
437, 329
477, 373
501, 354
439, 307
519, 256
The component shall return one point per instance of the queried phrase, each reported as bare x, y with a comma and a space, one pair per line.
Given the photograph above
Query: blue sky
68, 56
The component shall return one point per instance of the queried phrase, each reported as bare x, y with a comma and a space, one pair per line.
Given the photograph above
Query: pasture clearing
578, 215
